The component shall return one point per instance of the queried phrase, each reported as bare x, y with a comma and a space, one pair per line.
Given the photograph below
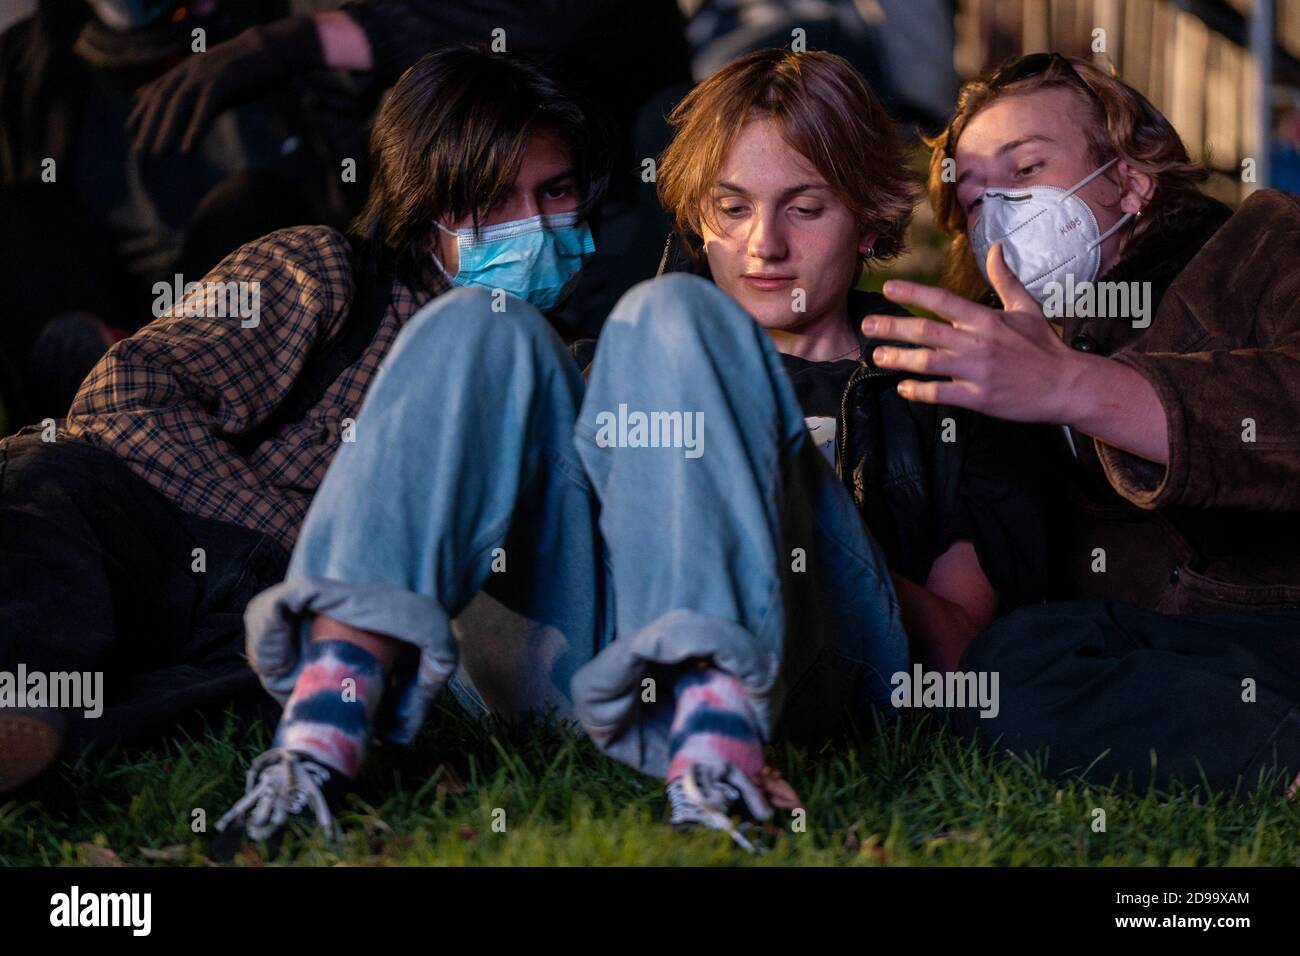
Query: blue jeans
481, 464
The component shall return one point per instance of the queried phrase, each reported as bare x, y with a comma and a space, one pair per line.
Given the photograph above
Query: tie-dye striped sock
713, 723
329, 714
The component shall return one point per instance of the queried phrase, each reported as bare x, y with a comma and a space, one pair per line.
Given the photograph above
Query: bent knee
684, 317
471, 318
1035, 655
670, 303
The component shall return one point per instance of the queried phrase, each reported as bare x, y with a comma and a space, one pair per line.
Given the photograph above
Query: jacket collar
861, 304
1157, 256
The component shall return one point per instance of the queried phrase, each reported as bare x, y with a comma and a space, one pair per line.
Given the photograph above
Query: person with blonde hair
1159, 332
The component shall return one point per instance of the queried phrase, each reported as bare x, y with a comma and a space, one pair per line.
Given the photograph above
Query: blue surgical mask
534, 259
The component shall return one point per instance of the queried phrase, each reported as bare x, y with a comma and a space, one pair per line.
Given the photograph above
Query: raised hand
1006, 363
1010, 364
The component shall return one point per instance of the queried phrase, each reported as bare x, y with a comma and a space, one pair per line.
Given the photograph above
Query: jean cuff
278, 627
607, 691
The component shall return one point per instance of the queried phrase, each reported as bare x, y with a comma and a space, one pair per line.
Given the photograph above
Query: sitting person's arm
1200, 413
1233, 445
1231, 405
943, 617
1008, 363
992, 549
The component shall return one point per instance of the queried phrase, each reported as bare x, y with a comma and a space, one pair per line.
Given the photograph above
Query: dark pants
97, 573
1105, 685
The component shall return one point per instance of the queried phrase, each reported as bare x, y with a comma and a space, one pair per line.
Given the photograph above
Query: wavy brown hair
1121, 122
826, 112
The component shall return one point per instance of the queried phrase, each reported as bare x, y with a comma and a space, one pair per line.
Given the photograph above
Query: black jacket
924, 476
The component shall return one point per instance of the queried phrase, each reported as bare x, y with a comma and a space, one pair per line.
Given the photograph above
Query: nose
530, 207
766, 238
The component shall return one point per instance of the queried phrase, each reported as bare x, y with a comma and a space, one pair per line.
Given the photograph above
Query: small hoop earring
871, 251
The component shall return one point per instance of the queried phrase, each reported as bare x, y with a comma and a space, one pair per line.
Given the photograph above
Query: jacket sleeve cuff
1149, 484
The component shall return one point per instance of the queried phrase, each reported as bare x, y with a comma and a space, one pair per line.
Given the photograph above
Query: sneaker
283, 786
30, 741
719, 797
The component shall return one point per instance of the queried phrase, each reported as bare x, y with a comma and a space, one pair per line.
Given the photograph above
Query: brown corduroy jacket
1218, 528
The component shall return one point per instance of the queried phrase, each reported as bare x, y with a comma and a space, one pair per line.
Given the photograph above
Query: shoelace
705, 801
280, 783
680, 808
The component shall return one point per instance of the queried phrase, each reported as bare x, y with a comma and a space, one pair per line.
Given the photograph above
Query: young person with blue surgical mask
1174, 525
688, 580
535, 259
205, 436
484, 176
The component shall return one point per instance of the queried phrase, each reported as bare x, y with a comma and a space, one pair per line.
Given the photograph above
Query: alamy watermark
214, 300
1099, 300
73, 690
946, 689
636, 429
133, 911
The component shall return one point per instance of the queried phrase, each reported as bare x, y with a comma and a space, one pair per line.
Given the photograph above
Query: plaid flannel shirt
172, 400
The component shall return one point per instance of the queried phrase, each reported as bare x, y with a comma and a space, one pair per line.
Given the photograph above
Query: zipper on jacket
860, 374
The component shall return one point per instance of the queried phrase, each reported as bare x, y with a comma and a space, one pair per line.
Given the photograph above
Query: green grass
913, 794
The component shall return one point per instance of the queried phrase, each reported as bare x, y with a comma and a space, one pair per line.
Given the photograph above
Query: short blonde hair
826, 112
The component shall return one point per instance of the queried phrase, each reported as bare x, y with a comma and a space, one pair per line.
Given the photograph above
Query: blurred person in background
622, 58
88, 225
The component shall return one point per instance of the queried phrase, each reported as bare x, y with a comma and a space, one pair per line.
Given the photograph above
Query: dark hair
449, 140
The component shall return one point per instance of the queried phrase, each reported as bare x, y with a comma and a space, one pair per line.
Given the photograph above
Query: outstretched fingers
962, 313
